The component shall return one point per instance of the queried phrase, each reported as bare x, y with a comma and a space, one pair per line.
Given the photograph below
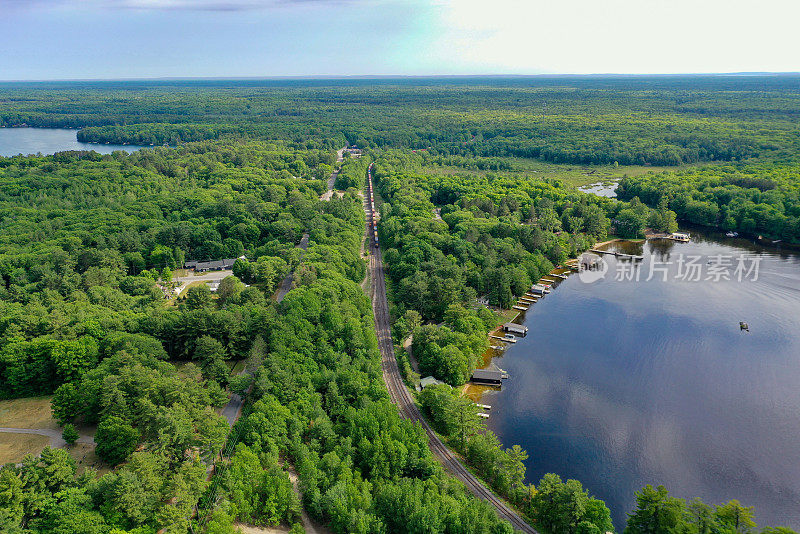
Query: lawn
13, 447
31, 412
570, 174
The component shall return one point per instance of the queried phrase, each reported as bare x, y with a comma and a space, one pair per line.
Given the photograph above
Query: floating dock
483, 406
484, 415
520, 308
619, 255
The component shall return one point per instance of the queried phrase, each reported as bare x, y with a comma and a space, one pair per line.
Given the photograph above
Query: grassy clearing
31, 412
14, 447
570, 174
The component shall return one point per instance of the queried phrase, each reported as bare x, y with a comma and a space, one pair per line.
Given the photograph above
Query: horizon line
333, 77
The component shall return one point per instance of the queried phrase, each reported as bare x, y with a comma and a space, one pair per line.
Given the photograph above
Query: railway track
398, 392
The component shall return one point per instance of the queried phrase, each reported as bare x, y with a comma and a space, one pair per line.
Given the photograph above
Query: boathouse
487, 377
514, 328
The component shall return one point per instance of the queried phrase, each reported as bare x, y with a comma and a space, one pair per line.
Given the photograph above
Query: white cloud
637, 36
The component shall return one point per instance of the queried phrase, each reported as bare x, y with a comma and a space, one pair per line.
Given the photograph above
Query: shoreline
474, 391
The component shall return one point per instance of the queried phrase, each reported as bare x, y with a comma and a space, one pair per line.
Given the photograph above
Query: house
215, 265
430, 381
539, 290
488, 377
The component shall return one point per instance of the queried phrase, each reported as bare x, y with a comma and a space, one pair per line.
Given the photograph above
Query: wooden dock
528, 300
521, 308
507, 340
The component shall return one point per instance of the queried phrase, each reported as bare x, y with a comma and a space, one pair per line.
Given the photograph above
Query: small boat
678, 236
744, 326
732, 234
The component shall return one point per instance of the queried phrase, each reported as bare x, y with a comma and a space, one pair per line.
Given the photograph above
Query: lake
26, 141
622, 383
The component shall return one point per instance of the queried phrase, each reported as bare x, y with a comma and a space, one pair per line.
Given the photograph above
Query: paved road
286, 284
332, 178
399, 393
56, 441
232, 410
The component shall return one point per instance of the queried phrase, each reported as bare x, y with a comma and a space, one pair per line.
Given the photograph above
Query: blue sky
80, 39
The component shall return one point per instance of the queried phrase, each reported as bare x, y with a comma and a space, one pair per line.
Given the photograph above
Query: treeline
582, 121
759, 198
495, 237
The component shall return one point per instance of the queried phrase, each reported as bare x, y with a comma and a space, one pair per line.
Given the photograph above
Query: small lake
14, 141
621, 383
601, 189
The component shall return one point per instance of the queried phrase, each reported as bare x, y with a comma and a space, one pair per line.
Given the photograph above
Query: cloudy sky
79, 39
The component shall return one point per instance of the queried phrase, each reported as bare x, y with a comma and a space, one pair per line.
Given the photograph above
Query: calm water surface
26, 141
621, 383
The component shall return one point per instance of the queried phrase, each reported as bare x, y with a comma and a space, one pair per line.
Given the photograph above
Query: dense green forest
755, 198
658, 121
90, 245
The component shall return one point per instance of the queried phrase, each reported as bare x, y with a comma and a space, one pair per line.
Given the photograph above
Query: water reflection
14, 141
624, 383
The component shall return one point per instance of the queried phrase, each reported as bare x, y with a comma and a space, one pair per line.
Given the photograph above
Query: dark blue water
26, 141
622, 383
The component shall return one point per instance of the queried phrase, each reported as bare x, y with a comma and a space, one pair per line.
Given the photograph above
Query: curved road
399, 393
